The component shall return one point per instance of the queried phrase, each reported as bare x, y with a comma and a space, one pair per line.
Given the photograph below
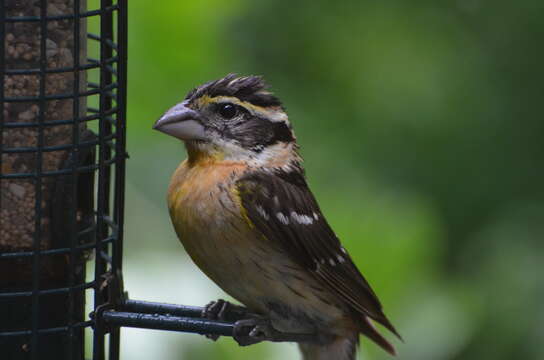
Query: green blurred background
422, 130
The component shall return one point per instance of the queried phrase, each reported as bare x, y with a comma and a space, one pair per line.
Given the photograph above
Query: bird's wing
282, 207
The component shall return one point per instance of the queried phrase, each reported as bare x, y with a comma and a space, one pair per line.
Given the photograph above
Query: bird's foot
224, 311
254, 330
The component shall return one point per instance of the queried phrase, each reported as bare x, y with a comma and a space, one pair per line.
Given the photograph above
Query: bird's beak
181, 122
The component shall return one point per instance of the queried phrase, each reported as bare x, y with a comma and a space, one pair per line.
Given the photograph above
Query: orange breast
206, 190
207, 216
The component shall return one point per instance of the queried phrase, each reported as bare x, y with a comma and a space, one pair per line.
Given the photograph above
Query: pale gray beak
181, 122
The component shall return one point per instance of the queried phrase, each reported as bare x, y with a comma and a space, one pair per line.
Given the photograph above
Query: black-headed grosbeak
242, 208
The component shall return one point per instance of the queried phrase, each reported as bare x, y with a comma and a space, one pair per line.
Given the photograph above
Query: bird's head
233, 118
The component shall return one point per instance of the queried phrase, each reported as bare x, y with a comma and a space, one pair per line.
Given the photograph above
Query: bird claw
249, 328
224, 311
214, 310
252, 331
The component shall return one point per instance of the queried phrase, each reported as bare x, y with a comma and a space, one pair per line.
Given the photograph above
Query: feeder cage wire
62, 155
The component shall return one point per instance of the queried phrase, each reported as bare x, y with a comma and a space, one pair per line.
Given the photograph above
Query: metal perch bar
167, 322
160, 316
161, 308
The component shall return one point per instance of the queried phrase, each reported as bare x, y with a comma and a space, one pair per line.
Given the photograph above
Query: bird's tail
368, 329
341, 348
345, 347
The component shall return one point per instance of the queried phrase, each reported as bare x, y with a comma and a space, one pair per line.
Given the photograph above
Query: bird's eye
228, 111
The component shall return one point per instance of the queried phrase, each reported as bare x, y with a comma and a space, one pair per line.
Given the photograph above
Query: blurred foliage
421, 127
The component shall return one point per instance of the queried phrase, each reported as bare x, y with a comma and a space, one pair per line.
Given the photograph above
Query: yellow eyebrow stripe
274, 114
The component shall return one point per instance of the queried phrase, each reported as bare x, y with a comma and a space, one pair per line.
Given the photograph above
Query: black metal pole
166, 322
182, 318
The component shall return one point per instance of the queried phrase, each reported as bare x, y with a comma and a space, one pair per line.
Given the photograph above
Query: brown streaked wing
282, 207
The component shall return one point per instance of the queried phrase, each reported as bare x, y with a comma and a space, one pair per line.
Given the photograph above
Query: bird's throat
200, 152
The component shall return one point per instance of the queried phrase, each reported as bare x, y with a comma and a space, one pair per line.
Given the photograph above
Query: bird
241, 206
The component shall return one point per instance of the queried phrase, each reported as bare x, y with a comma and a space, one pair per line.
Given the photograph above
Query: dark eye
227, 111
